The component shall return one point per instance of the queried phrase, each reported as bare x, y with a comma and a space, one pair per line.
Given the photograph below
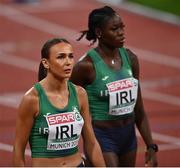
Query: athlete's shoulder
31, 94
131, 54
82, 97
29, 102
134, 62
80, 90
84, 61
83, 67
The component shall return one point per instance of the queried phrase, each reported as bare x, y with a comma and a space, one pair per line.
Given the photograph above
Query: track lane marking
19, 62
55, 29
36, 23
9, 148
173, 143
161, 97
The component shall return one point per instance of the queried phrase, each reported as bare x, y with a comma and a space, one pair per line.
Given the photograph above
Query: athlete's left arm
141, 118
91, 145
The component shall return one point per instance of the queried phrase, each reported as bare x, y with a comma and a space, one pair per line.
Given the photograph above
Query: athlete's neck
55, 85
107, 51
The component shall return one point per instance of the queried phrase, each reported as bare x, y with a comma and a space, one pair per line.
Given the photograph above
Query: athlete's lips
121, 39
68, 70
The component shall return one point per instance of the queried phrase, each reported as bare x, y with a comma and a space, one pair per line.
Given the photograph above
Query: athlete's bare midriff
67, 161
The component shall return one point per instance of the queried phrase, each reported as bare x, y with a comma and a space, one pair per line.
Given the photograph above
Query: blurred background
152, 32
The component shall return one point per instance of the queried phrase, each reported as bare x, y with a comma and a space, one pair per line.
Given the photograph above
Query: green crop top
113, 93
56, 132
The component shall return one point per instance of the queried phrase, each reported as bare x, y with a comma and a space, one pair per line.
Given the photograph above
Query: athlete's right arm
27, 111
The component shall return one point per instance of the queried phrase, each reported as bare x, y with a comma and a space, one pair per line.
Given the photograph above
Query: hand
150, 158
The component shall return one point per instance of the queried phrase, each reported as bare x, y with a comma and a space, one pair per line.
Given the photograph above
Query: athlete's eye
71, 55
114, 28
60, 57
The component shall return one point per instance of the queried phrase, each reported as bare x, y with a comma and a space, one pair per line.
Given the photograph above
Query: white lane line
157, 58
9, 148
8, 47
166, 138
161, 97
161, 82
152, 13
145, 11
55, 29
36, 23
11, 99
173, 143
166, 147
5, 99
48, 6
19, 62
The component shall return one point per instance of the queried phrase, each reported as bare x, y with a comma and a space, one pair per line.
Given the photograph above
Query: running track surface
24, 29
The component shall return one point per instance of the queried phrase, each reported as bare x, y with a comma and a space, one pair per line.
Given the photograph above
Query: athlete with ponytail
54, 113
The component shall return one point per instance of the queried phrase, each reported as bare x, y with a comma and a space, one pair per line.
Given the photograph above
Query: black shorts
119, 140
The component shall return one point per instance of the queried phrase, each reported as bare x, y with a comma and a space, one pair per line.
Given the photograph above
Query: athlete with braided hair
110, 74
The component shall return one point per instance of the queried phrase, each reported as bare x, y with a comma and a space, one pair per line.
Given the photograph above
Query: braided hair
97, 18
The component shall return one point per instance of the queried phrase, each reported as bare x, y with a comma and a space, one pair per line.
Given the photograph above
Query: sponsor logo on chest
60, 118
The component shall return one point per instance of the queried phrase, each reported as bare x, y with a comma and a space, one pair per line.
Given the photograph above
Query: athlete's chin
67, 76
120, 45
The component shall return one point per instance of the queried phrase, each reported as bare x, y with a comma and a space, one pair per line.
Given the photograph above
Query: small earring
99, 36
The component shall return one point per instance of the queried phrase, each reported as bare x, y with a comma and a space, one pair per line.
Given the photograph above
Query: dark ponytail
42, 73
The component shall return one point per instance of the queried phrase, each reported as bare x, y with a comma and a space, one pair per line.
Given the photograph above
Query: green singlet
56, 132
113, 93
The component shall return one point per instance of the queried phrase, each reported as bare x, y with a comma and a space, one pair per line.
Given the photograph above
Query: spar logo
77, 113
61, 118
119, 85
